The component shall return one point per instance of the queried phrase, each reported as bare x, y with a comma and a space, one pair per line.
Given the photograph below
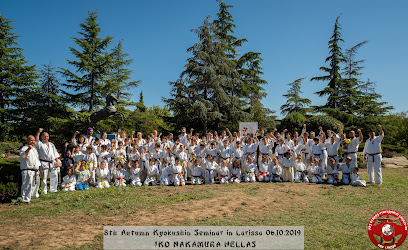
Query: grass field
334, 217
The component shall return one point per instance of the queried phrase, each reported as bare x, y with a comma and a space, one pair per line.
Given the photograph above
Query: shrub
293, 121
8, 191
325, 121
9, 147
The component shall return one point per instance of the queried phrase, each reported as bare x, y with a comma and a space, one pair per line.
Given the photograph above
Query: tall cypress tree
118, 82
93, 65
18, 84
335, 58
294, 102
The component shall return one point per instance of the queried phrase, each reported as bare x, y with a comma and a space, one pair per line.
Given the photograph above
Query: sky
292, 37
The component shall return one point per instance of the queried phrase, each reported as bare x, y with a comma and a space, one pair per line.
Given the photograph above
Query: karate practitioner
372, 154
29, 166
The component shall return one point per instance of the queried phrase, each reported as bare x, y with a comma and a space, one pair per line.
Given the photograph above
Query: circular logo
387, 229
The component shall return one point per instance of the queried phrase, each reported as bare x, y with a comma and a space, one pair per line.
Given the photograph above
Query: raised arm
37, 136
360, 135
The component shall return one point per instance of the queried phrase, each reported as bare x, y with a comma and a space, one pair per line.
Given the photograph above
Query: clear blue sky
291, 35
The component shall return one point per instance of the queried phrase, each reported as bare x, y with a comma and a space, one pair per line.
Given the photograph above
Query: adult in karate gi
372, 154
29, 166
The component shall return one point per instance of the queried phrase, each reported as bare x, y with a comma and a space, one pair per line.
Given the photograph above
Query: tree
335, 58
203, 82
18, 84
369, 104
295, 103
93, 66
118, 82
140, 105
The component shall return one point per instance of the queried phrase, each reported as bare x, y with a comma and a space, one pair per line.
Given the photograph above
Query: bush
293, 121
9, 147
325, 121
10, 179
8, 191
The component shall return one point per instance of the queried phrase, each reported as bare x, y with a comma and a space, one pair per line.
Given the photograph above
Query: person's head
224, 163
352, 134
202, 146
164, 140
81, 139
181, 147
299, 157
295, 134
275, 161
157, 146
136, 164
89, 132
261, 132
83, 165
76, 148
225, 143
238, 143
69, 154
177, 161
250, 140
250, 160
45, 137
296, 141
165, 162
119, 165
196, 163
264, 141
170, 136
104, 135
306, 135
316, 140
120, 144
281, 141
371, 134
151, 161
263, 158
210, 157
154, 133
183, 130
139, 135
348, 160
113, 143
355, 170
168, 149
288, 136
103, 164
332, 161
97, 141
316, 161
30, 140
89, 149
104, 148
235, 164
312, 135
332, 139
69, 171
286, 154
212, 145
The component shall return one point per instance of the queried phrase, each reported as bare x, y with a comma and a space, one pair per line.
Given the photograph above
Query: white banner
248, 127
203, 237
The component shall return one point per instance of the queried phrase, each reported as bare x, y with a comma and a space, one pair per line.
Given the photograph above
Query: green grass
334, 217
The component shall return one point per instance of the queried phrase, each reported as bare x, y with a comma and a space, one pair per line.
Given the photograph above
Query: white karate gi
351, 151
356, 180
69, 183
276, 173
288, 173
152, 172
210, 167
332, 174
250, 170
121, 177
103, 177
178, 175
197, 175
48, 155
346, 171
264, 172
224, 174
372, 150
300, 168
235, 175
136, 181
29, 167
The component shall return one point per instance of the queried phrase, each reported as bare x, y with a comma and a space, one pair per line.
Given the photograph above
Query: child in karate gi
102, 176
165, 177
356, 179
121, 175
197, 173
300, 169
276, 170
345, 169
332, 172
69, 181
316, 171
210, 167
287, 163
236, 172
152, 173
264, 171
251, 169
178, 173
223, 171
136, 171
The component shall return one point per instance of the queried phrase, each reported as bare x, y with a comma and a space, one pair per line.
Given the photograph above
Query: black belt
224, 158
373, 155
197, 175
347, 153
316, 154
46, 161
332, 156
280, 154
265, 154
34, 170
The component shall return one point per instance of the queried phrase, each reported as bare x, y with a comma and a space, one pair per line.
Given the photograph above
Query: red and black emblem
387, 229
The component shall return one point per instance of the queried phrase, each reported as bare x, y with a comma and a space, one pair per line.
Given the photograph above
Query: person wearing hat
372, 154
346, 169
89, 139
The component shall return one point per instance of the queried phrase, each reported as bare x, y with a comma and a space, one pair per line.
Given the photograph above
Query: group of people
225, 158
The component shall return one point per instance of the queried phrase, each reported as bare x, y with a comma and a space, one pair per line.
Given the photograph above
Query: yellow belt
152, 176
102, 180
249, 172
88, 165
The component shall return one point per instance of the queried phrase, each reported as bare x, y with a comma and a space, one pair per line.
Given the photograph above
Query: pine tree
203, 82
335, 58
140, 105
368, 103
295, 103
118, 82
18, 84
93, 66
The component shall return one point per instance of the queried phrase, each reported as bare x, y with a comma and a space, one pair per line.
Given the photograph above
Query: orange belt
181, 178
120, 180
261, 173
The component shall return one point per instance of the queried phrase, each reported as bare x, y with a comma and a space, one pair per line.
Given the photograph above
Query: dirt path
77, 229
